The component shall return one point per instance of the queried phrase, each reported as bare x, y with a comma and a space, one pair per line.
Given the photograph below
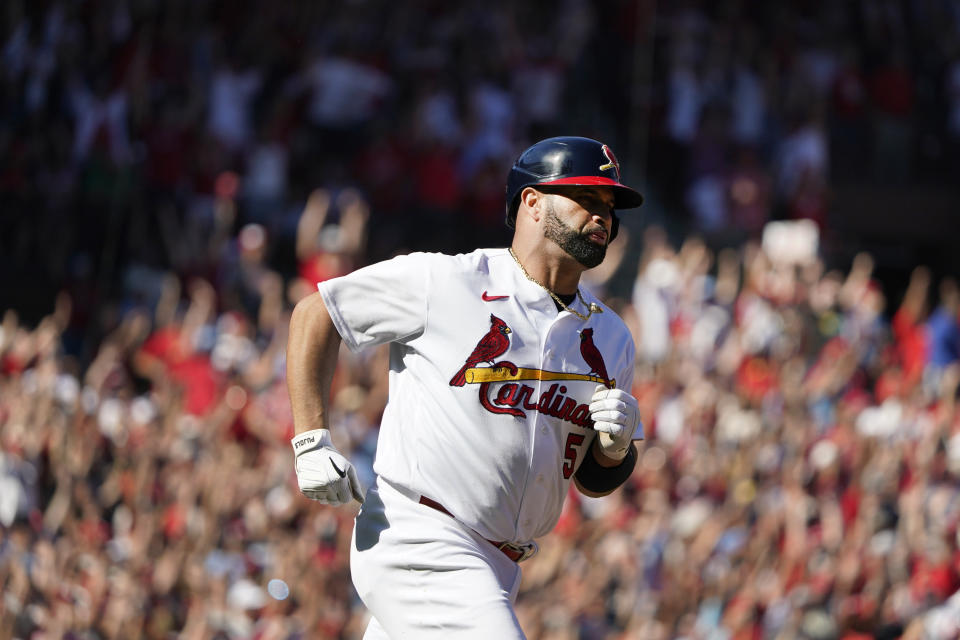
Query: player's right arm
312, 348
383, 302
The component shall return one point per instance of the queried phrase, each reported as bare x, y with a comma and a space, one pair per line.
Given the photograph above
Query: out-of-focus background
175, 175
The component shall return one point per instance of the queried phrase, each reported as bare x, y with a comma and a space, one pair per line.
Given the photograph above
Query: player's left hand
616, 416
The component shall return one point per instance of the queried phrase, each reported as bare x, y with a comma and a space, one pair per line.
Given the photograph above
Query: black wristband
599, 479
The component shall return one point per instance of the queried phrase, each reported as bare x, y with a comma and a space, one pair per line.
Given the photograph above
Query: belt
516, 552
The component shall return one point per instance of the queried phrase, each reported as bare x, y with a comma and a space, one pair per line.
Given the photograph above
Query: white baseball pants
424, 575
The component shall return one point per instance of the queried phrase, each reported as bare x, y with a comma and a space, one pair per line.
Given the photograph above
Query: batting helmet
568, 160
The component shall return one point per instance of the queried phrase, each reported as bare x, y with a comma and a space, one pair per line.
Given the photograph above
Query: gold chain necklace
593, 307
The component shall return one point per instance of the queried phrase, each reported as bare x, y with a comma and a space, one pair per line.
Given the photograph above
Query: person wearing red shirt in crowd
909, 330
170, 354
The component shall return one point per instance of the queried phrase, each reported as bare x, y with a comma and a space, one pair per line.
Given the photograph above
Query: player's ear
530, 203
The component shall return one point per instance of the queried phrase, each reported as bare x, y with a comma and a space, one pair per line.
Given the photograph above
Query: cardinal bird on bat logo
593, 357
491, 346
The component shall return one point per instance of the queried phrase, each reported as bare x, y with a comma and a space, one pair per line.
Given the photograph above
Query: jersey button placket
546, 361
534, 492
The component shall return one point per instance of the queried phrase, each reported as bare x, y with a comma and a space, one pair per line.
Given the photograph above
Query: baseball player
507, 382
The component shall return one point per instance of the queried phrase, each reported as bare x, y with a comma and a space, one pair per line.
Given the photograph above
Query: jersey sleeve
384, 302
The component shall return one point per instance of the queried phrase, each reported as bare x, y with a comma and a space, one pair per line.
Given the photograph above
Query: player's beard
575, 243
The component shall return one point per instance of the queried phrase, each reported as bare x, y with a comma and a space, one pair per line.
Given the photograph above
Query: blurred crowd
766, 108
176, 175
123, 122
799, 478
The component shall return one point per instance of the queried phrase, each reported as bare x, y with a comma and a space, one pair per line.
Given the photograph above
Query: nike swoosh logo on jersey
342, 474
489, 298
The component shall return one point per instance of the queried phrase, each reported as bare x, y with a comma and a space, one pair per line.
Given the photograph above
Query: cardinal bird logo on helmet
491, 346
612, 161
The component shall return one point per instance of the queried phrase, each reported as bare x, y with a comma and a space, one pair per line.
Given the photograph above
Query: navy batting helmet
573, 161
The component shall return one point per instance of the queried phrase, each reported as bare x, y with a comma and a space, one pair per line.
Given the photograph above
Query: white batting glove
616, 417
323, 473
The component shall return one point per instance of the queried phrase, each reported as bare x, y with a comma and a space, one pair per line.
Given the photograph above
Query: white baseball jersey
489, 384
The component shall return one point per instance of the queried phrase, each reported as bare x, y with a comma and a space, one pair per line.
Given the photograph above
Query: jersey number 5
574, 440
